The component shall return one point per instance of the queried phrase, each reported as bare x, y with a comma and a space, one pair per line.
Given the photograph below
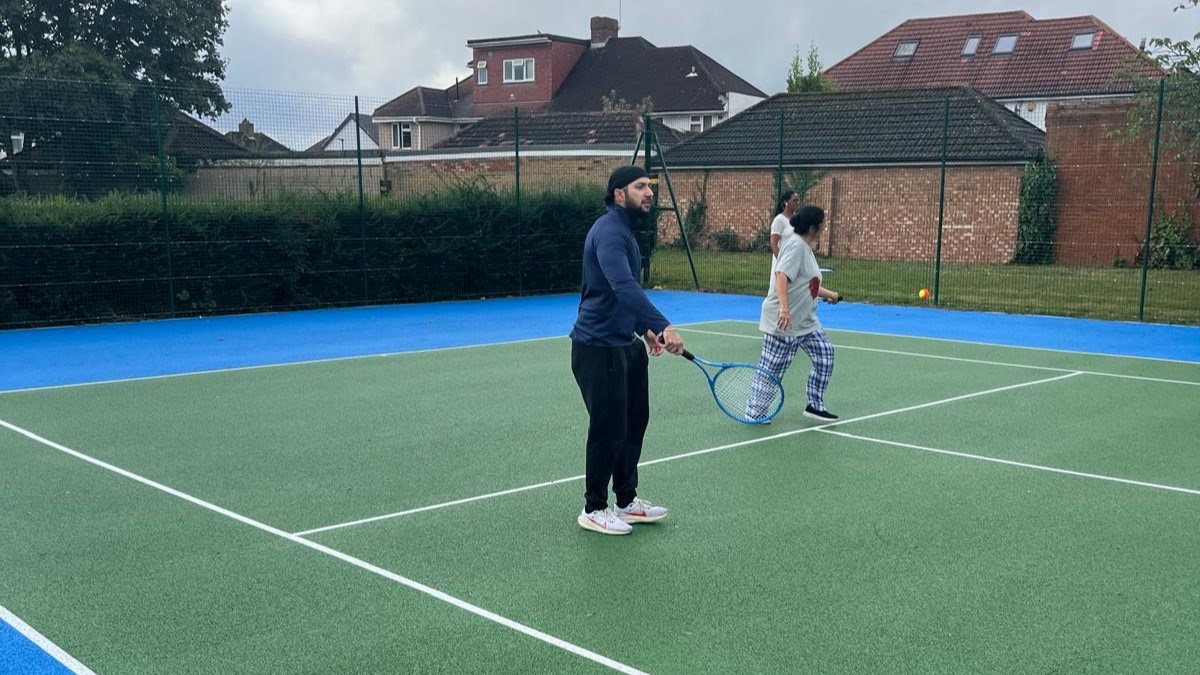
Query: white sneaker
604, 522
640, 511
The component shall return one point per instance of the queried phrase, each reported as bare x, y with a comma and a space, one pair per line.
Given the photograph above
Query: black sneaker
823, 415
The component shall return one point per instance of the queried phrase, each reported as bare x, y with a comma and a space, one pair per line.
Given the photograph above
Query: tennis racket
747, 393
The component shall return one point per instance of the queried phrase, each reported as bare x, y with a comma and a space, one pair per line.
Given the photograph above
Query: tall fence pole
1162, 88
937, 258
517, 176
162, 191
362, 201
779, 164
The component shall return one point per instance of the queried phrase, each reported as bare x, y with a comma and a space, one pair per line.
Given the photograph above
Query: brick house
543, 72
1022, 62
423, 116
876, 159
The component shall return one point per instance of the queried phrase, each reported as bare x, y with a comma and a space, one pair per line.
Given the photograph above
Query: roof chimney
603, 30
246, 128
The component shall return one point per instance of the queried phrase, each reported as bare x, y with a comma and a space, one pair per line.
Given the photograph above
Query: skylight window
1005, 44
971, 47
1083, 41
906, 49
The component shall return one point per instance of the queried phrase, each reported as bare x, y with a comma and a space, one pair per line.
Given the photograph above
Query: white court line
332, 359
695, 453
965, 360
1000, 344
43, 643
361, 564
262, 366
434, 507
1025, 465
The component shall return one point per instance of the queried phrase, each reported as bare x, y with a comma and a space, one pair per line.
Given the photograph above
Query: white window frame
1076, 47
971, 46
1011, 48
526, 70
904, 46
695, 123
399, 130
481, 72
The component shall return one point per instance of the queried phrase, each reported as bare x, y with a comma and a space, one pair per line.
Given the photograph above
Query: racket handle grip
688, 355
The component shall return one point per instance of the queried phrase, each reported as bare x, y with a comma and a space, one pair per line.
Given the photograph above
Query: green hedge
69, 260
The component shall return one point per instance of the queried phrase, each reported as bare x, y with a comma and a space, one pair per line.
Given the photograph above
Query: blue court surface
76, 355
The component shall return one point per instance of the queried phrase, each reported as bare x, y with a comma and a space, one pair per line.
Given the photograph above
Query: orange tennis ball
923, 294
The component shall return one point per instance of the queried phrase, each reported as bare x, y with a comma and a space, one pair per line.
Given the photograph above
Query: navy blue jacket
613, 308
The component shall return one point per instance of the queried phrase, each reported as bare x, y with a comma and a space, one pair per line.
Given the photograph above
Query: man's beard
634, 210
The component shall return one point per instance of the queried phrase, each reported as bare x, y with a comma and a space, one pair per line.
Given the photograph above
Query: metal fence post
937, 258
362, 203
779, 164
1162, 85
162, 191
517, 170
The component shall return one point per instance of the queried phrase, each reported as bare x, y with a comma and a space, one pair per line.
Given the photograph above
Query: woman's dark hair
783, 200
807, 219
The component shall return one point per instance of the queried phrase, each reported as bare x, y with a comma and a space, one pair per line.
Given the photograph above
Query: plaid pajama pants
779, 352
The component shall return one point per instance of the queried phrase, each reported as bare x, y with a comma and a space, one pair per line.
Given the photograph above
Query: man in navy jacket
609, 360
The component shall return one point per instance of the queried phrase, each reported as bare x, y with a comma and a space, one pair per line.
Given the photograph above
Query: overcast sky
380, 48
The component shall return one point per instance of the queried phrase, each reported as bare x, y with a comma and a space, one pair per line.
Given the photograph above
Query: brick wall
537, 173
873, 213
249, 183
1104, 183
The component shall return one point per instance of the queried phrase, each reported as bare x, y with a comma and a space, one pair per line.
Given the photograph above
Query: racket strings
747, 393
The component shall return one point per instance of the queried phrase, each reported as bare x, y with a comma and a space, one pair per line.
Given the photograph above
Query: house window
402, 135
696, 124
971, 47
905, 49
1083, 41
481, 69
1005, 44
518, 70
708, 122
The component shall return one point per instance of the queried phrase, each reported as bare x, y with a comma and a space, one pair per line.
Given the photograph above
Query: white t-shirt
797, 262
782, 227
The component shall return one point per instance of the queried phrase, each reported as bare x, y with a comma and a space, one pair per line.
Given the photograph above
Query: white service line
263, 366
752, 441
31, 634
1009, 462
361, 564
964, 360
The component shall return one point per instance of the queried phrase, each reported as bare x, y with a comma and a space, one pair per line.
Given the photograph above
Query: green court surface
976, 509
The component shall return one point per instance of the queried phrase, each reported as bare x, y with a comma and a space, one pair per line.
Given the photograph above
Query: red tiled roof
1042, 63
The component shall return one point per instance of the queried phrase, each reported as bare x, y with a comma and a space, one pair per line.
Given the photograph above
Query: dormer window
518, 70
1082, 41
906, 49
971, 46
1005, 44
481, 72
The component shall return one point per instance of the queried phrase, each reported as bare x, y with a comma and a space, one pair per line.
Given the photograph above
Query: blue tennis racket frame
712, 386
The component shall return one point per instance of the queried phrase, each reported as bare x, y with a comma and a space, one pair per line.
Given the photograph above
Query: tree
1177, 65
814, 79
85, 85
169, 43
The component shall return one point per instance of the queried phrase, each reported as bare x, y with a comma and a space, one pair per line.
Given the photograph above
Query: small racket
747, 393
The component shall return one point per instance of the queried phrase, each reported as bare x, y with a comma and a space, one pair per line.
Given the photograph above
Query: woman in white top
781, 227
